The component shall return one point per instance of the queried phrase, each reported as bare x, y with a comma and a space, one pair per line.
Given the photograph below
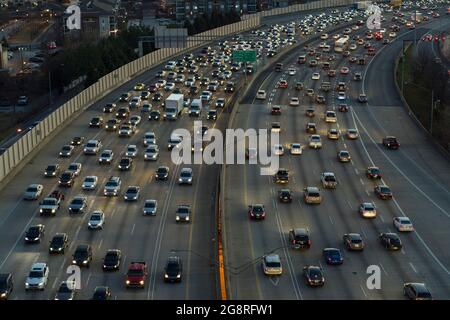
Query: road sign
244, 55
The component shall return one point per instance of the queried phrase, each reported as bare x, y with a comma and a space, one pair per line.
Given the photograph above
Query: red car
391, 142
378, 36
282, 84
373, 173
344, 70
136, 275
256, 212
371, 51
343, 107
383, 192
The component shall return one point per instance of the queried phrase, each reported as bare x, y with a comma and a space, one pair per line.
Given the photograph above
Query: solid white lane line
384, 270
362, 289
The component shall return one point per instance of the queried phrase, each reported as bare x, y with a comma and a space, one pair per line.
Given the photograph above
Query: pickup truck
136, 274
51, 204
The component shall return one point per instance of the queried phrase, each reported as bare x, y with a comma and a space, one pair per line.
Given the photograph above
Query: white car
324, 36
135, 102
403, 224
315, 141
96, 220
169, 86
149, 138
33, 191
392, 34
150, 207
295, 101
106, 156
75, 167
367, 210
278, 150
353, 47
315, 76
342, 95
292, 71
352, 134
38, 277
276, 127
152, 152
296, 148
135, 120
89, 183
132, 151
161, 83
261, 95
92, 147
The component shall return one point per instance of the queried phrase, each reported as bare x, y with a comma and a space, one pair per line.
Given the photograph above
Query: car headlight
141, 282
36, 239
41, 284
178, 276
166, 276
74, 261
27, 284
187, 218
40, 210
127, 282
178, 218
53, 210
180, 180
85, 262
3, 295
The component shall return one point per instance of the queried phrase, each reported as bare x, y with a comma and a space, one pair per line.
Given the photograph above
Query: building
191, 8
99, 20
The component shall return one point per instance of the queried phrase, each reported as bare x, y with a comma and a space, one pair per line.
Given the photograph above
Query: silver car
96, 220
149, 138
150, 207
151, 153
90, 183
33, 191
38, 277
66, 150
185, 176
106, 157
78, 204
75, 167
132, 151
271, 265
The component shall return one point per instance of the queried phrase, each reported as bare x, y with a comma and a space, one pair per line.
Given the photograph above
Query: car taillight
309, 242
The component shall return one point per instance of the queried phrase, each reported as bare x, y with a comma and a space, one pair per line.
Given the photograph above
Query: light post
432, 106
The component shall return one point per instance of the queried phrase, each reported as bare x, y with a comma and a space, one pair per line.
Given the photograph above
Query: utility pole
50, 87
432, 111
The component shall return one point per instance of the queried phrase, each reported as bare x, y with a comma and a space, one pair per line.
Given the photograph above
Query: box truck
173, 106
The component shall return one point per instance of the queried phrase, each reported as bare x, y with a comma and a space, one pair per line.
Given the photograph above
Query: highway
417, 173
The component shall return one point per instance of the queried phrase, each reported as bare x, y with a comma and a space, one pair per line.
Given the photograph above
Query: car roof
272, 258
301, 231
82, 247
38, 266
312, 189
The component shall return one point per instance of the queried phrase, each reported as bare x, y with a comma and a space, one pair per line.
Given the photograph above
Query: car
135, 120
357, 76
331, 73
391, 241
112, 259
315, 76
6, 285
220, 103
112, 186
309, 92
173, 269
310, 111
35, 233
135, 102
126, 130
33, 191
211, 115
109, 108
157, 97
131, 151
292, 71
343, 107
132, 193
174, 142
150, 207
353, 241
383, 192
299, 238
124, 97
333, 256
66, 179
186, 176
151, 153
162, 173
278, 150
330, 116
96, 220
328, 180
373, 173
367, 210
66, 291
183, 213
311, 127
271, 265
285, 195
82, 256
89, 183
333, 134
101, 293
315, 141
154, 115
352, 134
311, 195
92, 147
295, 101
342, 96
416, 291
58, 244
296, 148
320, 99
313, 276
125, 163
275, 127
37, 278
344, 156
403, 224
353, 47
392, 34
123, 113
391, 142
112, 124
283, 84
78, 204
362, 98
66, 151
345, 70
106, 157
77, 141
96, 122
256, 212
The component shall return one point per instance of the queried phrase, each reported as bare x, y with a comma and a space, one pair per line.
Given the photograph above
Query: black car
193, 90
112, 124
417, 291
66, 179
313, 276
282, 176
125, 163
101, 293
285, 195
77, 141
112, 260
109, 108
173, 269
96, 122
299, 238
162, 173
391, 241
123, 113
66, 291
157, 97
212, 115
229, 87
154, 115
391, 143
82, 256
58, 244
6, 285
52, 170
35, 233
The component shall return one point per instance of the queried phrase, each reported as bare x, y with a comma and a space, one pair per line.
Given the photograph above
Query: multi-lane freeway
417, 173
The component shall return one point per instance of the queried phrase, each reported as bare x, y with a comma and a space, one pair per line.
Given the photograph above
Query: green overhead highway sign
244, 55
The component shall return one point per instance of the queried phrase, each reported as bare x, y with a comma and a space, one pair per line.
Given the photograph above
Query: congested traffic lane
327, 222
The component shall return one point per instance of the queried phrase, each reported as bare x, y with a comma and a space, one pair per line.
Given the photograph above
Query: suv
299, 238
82, 256
38, 277
112, 186
183, 213
173, 269
6, 285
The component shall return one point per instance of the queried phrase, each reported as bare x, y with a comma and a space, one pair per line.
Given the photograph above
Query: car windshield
132, 190
64, 289
385, 189
258, 209
57, 240
51, 168
111, 184
89, 180
330, 178
80, 254
356, 241
32, 189
77, 201
49, 202
313, 194
183, 211
73, 167
162, 170
173, 266
66, 148
135, 272
36, 274
423, 294
405, 222
273, 264
111, 257
150, 204
334, 254
96, 217
33, 231
185, 174
315, 273
91, 145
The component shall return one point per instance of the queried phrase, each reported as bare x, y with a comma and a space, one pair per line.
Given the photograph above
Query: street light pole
50, 87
